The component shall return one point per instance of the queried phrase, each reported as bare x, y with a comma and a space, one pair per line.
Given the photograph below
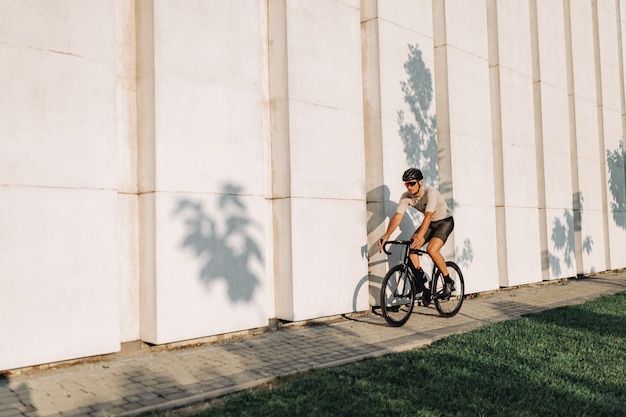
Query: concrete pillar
514, 144
127, 196
618, 194
609, 81
400, 120
203, 110
587, 166
318, 185
553, 145
466, 165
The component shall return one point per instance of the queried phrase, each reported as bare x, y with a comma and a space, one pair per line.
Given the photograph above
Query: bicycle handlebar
401, 242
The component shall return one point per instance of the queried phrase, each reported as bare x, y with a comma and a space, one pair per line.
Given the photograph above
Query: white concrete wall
175, 170
58, 201
515, 163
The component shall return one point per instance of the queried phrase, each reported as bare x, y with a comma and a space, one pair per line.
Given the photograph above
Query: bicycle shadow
15, 400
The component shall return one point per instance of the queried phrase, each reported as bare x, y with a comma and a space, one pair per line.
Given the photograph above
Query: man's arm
393, 224
419, 238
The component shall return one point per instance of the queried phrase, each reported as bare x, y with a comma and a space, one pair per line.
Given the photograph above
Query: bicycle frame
406, 248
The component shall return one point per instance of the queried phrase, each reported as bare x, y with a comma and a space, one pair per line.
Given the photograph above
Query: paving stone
10, 413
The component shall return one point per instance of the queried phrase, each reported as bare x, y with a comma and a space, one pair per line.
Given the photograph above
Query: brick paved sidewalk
160, 380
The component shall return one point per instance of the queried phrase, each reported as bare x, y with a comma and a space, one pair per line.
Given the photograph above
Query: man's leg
434, 246
417, 270
415, 259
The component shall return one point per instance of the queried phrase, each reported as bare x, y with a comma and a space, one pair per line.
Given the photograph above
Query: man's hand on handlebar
418, 242
383, 243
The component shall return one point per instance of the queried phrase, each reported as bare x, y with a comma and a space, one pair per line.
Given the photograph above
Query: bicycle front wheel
397, 296
448, 304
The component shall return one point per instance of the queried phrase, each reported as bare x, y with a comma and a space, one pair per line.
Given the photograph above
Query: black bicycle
400, 288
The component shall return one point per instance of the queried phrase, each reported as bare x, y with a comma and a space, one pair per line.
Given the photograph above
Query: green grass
569, 361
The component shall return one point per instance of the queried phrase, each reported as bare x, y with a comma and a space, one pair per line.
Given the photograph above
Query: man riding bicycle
434, 229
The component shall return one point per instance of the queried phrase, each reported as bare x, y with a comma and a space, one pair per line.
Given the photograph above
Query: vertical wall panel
400, 119
553, 145
58, 199
617, 157
127, 146
610, 131
465, 137
319, 106
585, 142
201, 75
517, 215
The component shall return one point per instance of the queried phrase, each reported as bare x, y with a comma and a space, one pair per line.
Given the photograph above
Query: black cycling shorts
440, 228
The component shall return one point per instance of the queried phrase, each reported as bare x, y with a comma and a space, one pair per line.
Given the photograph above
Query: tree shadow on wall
617, 184
419, 136
225, 247
465, 255
564, 237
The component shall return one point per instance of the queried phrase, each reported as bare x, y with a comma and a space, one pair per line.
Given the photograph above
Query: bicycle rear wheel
448, 305
397, 296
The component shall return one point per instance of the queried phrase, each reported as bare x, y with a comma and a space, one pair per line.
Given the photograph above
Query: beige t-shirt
431, 201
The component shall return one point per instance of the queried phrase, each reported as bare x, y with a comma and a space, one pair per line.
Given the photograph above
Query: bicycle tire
450, 305
397, 306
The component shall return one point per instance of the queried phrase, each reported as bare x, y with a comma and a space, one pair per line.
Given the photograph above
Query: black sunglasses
410, 183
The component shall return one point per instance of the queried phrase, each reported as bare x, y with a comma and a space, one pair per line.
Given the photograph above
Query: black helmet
412, 174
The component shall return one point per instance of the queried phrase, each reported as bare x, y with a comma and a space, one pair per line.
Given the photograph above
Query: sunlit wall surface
178, 170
